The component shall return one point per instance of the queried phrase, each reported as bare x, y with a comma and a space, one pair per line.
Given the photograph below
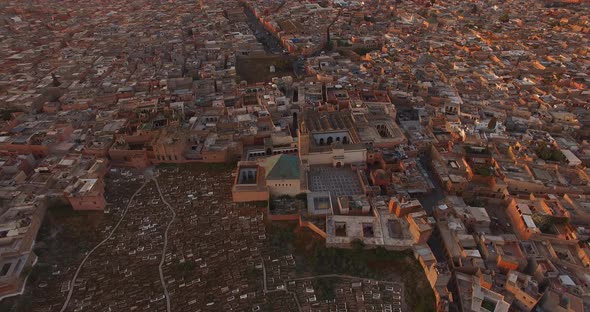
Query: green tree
6, 115
281, 236
357, 245
504, 18
549, 153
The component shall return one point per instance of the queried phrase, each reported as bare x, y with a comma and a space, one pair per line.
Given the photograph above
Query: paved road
166, 294
432, 198
429, 201
71, 291
264, 276
343, 276
272, 44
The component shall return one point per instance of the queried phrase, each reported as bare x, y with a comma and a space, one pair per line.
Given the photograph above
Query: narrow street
271, 44
429, 201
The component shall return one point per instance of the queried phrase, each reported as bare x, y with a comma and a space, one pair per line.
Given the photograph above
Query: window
340, 229
19, 265
5, 269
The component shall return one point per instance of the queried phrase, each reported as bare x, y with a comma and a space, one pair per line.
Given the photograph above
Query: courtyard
337, 181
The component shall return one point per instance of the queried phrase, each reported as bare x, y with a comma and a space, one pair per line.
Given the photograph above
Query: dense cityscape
304, 155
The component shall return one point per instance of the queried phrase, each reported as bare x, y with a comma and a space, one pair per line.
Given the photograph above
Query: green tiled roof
282, 167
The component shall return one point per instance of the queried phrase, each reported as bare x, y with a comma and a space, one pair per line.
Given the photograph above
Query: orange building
86, 194
403, 205
250, 183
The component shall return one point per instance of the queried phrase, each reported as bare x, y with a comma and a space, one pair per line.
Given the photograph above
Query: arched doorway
338, 164
330, 140
345, 140
322, 141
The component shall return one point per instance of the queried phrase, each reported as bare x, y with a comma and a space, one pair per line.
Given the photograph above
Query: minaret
303, 137
56, 82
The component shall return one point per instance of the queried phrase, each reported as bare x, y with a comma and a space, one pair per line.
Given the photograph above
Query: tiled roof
282, 167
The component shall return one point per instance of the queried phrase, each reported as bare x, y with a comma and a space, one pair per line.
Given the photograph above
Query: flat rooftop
344, 229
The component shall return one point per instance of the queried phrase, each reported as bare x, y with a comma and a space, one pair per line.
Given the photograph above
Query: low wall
297, 217
241, 197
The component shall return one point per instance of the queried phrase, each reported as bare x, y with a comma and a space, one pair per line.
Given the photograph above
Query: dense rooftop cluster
455, 130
